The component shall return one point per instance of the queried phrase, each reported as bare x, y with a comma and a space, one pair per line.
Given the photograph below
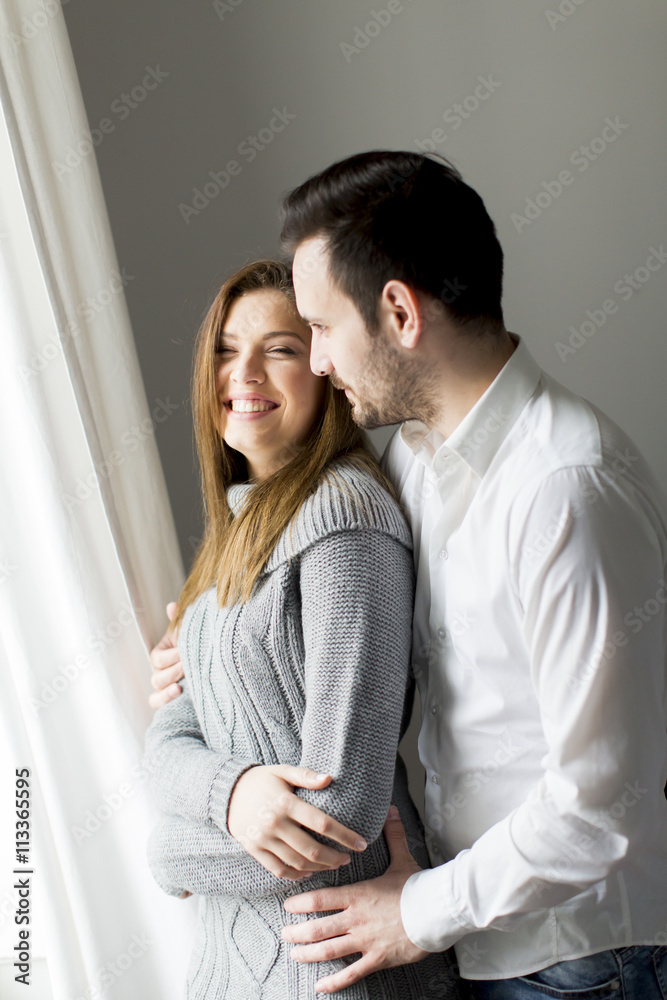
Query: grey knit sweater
314, 670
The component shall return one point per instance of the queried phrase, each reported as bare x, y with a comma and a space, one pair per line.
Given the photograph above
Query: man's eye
283, 350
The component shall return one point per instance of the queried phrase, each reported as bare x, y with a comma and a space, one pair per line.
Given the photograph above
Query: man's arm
599, 680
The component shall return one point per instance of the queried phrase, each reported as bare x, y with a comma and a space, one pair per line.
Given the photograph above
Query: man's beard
401, 388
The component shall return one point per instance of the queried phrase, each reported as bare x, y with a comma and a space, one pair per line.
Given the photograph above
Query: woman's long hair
234, 550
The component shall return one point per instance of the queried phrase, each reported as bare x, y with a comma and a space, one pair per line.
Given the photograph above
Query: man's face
381, 382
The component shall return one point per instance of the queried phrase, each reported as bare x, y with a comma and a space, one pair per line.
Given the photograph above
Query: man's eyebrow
265, 336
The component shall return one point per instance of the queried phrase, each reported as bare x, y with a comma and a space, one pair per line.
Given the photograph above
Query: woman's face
269, 397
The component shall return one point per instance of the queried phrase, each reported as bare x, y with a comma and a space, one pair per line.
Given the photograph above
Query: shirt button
435, 779
434, 709
435, 849
442, 632
444, 554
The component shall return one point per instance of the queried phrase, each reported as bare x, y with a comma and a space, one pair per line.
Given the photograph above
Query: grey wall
554, 71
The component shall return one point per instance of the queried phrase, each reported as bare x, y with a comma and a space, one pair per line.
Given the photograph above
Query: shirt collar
484, 428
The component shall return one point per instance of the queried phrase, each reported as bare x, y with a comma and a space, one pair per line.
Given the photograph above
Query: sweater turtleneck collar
236, 495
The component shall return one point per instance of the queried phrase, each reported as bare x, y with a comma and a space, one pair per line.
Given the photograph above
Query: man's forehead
310, 260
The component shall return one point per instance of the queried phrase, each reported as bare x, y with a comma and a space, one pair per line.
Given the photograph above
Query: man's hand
369, 921
266, 817
167, 666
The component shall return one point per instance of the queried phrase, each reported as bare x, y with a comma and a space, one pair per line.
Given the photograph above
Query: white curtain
88, 552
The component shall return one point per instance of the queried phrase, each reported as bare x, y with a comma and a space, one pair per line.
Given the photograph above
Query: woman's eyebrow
266, 336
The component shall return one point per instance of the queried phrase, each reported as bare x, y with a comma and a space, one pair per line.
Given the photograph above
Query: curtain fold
88, 550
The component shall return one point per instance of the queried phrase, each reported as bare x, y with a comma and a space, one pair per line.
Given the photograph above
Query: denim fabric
634, 973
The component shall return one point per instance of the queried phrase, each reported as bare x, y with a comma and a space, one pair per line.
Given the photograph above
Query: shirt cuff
222, 788
427, 909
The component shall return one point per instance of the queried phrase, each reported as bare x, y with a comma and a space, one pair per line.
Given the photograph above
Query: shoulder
348, 498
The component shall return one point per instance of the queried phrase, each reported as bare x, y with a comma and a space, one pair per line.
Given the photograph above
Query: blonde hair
234, 550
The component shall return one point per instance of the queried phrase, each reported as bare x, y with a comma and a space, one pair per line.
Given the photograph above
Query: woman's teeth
250, 405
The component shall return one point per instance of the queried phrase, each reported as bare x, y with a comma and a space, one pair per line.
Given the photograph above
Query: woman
294, 629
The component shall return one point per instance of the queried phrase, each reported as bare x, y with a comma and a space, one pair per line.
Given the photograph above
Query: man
539, 628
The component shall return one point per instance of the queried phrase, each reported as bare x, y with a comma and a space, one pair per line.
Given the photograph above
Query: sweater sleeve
183, 854
186, 777
357, 590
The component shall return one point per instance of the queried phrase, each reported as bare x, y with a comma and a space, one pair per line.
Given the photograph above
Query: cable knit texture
313, 670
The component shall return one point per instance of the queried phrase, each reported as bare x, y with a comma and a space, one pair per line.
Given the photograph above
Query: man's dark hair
402, 215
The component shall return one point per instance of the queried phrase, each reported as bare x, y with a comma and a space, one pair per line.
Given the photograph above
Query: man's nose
319, 361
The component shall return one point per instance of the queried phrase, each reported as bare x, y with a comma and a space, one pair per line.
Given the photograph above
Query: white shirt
539, 647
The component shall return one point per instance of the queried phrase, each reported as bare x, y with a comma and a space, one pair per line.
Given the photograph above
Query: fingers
352, 974
301, 777
167, 675
394, 833
334, 948
276, 866
319, 822
316, 930
164, 656
171, 609
307, 853
160, 698
321, 899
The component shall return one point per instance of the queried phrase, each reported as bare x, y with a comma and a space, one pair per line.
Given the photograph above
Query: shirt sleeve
186, 778
357, 589
587, 568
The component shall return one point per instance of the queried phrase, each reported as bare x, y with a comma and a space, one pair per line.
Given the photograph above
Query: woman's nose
247, 368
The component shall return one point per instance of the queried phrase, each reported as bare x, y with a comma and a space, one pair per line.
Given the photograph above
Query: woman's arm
184, 774
357, 591
183, 855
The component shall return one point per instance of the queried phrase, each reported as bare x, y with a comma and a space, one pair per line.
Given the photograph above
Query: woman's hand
167, 667
266, 817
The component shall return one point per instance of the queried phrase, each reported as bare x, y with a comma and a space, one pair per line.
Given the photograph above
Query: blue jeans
634, 973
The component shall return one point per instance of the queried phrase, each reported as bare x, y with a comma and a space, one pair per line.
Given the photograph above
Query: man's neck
473, 374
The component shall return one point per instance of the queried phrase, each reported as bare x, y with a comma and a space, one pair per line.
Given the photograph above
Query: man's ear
402, 313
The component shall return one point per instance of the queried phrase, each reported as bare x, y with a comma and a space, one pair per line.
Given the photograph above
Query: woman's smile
241, 406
